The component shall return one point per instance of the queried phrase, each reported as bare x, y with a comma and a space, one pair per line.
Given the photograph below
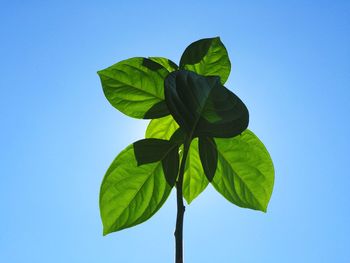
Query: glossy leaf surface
207, 57
203, 107
136, 87
131, 194
245, 173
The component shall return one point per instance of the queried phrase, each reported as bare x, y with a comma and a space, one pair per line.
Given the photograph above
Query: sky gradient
291, 67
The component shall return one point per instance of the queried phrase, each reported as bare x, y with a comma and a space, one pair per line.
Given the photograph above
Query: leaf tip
105, 232
263, 208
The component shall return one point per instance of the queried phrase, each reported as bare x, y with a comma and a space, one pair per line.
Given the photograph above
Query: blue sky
290, 65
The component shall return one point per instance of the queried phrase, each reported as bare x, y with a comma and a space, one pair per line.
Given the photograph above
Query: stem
180, 208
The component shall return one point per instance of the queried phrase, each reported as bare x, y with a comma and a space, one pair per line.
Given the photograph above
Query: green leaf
131, 194
151, 150
203, 107
245, 173
162, 128
166, 63
136, 87
208, 155
207, 57
171, 166
194, 179
155, 150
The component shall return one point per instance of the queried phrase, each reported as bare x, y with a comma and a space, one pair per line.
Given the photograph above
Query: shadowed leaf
154, 150
208, 155
203, 107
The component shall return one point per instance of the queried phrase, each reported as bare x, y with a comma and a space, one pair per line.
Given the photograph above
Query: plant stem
180, 208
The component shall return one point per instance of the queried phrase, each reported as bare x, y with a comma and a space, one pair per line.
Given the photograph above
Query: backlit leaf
162, 128
131, 194
166, 63
136, 87
207, 57
245, 173
194, 179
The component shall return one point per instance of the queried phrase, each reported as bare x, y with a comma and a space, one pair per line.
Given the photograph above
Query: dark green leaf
131, 194
208, 155
154, 150
171, 165
203, 107
166, 63
136, 87
151, 150
207, 57
245, 173
178, 137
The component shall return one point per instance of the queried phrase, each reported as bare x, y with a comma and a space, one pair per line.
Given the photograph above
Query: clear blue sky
290, 65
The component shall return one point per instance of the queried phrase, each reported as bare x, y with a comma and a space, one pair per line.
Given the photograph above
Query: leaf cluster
189, 107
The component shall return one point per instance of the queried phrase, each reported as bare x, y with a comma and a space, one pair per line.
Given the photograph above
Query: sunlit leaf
207, 57
194, 179
166, 63
131, 194
245, 173
162, 128
136, 87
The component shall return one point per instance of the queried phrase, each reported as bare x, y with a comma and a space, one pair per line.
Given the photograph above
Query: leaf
155, 150
194, 179
136, 87
208, 155
166, 63
162, 128
207, 57
245, 173
203, 107
131, 194
171, 166
151, 150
